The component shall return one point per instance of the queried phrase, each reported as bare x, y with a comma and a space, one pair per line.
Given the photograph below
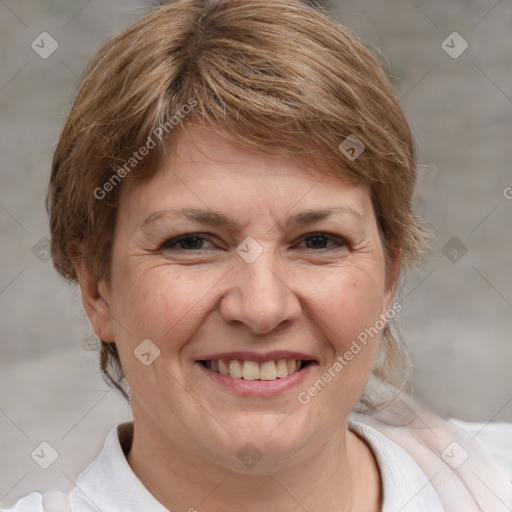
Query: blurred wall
457, 309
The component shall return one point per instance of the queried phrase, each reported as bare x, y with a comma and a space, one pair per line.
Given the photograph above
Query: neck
342, 475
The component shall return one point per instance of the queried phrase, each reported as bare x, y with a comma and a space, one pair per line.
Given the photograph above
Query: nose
259, 298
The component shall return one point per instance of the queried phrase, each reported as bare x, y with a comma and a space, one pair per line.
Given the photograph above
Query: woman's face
234, 261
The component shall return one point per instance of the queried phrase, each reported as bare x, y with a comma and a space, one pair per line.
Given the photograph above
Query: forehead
204, 170
203, 147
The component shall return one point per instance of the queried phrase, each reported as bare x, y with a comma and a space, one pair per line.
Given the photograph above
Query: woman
233, 193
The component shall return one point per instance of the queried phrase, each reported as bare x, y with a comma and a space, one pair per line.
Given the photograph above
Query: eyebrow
218, 219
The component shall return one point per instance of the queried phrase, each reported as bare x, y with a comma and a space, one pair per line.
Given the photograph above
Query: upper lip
258, 357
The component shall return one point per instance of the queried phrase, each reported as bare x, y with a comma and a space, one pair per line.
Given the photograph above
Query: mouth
254, 374
251, 370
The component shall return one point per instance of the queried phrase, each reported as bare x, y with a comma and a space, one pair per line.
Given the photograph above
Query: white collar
406, 488
109, 484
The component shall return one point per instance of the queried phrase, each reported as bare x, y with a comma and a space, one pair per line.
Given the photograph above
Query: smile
253, 370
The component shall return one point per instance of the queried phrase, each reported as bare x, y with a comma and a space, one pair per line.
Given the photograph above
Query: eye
322, 241
194, 242
191, 242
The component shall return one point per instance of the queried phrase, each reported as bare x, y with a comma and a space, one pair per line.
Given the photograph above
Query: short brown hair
275, 75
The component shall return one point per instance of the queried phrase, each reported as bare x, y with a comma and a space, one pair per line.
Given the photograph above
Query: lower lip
258, 387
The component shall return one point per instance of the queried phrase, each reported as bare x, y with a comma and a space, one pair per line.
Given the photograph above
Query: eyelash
168, 245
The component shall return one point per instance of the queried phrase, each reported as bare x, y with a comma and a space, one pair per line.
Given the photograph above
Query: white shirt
108, 484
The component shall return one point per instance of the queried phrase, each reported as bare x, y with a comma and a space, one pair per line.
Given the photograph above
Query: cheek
346, 306
161, 304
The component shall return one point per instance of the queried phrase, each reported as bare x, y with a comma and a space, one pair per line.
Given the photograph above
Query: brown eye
322, 241
186, 243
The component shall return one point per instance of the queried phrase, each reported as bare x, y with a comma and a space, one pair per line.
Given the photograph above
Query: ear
392, 277
95, 299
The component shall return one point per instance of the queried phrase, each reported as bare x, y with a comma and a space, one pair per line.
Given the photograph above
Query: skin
307, 294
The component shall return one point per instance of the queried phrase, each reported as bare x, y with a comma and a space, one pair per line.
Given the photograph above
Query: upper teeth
251, 370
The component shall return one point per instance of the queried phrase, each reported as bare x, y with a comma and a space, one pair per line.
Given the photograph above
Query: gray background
456, 317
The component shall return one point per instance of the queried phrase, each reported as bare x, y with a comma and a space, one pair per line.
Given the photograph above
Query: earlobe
95, 300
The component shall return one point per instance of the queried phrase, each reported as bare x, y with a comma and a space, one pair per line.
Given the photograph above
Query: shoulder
31, 503
105, 483
106, 479
495, 438
51, 501
431, 442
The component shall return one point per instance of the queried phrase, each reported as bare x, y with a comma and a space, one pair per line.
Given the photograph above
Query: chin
264, 443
